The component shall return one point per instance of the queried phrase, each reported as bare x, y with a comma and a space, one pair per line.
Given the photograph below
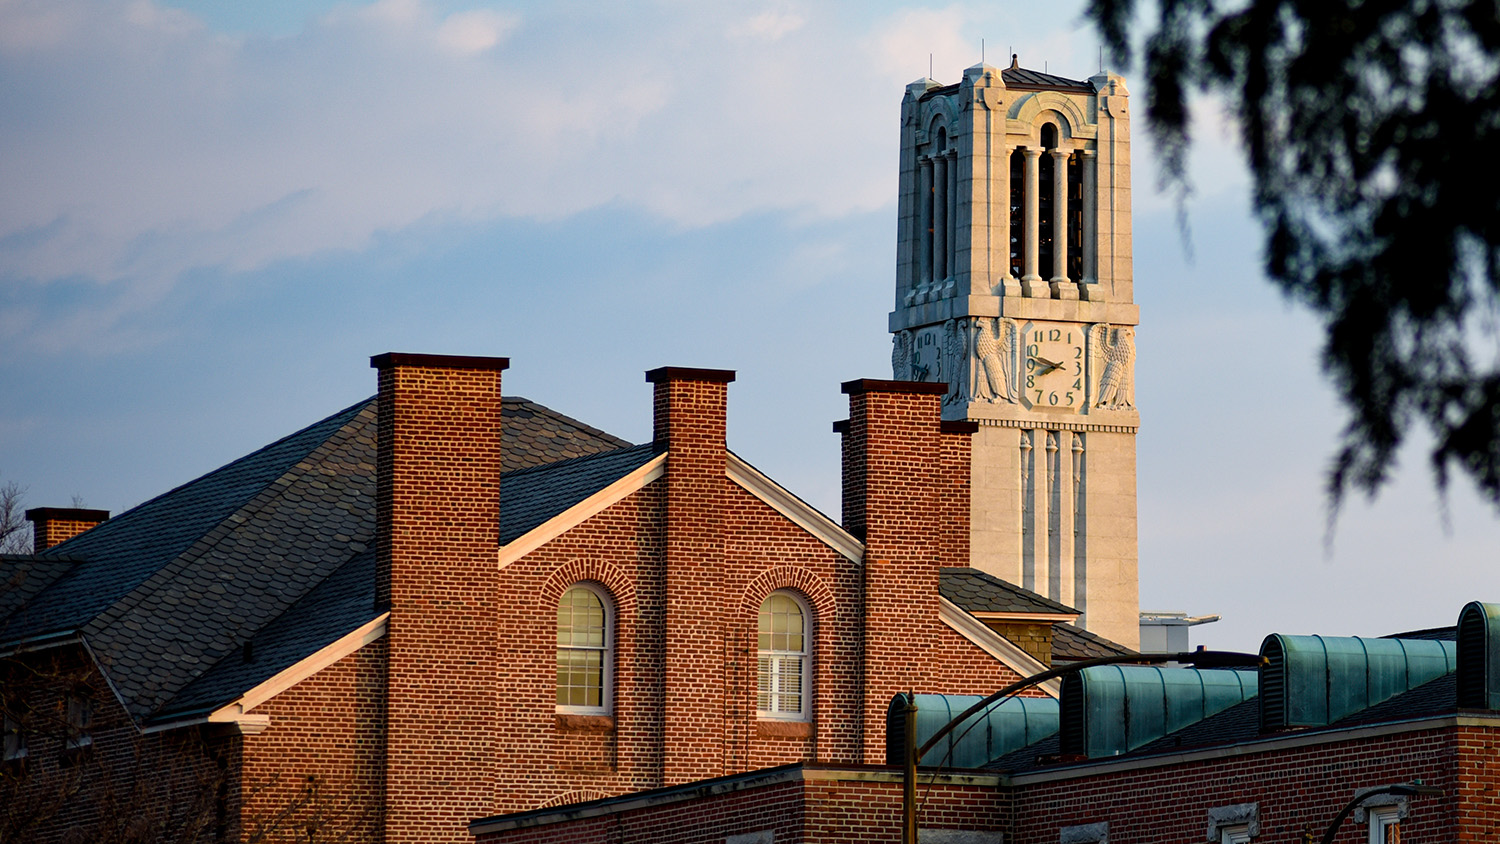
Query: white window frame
1381, 818
806, 655
607, 662
1237, 834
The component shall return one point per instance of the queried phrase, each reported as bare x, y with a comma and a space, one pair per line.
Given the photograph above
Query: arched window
783, 648
583, 663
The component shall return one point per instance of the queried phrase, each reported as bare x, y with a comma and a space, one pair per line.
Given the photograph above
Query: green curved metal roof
1479, 656
1312, 681
1112, 709
989, 734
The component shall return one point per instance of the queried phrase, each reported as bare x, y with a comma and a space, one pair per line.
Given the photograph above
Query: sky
212, 214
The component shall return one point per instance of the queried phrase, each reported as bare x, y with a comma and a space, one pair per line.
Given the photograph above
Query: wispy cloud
143, 145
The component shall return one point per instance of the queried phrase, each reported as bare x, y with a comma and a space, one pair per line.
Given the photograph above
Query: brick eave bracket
390, 359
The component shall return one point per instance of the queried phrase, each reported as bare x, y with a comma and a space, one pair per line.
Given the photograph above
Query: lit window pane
581, 648
782, 643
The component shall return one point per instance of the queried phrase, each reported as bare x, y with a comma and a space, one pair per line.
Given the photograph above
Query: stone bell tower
1013, 287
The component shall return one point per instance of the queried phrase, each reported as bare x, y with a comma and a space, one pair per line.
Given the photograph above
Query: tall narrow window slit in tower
1075, 216
1017, 211
940, 221
1044, 242
924, 219
950, 247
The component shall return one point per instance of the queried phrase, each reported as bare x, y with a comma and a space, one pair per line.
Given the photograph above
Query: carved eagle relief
995, 347
1114, 349
901, 356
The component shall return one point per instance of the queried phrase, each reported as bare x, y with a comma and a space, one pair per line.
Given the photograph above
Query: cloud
143, 145
466, 33
771, 24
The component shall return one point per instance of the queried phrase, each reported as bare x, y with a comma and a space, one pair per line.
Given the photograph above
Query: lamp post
1200, 658
1404, 789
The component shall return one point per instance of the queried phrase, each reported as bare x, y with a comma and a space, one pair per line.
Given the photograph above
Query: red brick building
440, 604
1139, 755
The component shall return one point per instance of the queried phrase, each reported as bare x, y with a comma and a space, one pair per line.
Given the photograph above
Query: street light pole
913, 755
1405, 789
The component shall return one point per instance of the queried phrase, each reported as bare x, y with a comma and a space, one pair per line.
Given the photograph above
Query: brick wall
898, 487
165, 787
437, 530
1032, 637
318, 772
792, 805
1296, 789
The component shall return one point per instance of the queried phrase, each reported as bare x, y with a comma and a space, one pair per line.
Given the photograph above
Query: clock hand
1050, 365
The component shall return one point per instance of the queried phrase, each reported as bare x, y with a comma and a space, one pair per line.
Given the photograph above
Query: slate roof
529, 497
344, 601
274, 549
535, 434
22, 576
1441, 634
977, 591
138, 543
1073, 644
1021, 78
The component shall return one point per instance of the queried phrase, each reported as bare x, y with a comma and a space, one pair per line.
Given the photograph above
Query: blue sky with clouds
212, 214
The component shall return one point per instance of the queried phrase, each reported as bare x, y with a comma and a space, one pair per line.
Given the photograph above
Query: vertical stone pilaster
1031, 282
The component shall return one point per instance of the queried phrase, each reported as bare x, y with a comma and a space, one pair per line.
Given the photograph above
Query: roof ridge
981, 573
219, 532
241, 459
582, 426
570, 461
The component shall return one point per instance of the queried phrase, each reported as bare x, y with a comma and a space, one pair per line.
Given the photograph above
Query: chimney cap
394, 359
664, 374
871, 385
66, 514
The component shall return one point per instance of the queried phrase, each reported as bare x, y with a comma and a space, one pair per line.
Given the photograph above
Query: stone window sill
767, 728
585, 723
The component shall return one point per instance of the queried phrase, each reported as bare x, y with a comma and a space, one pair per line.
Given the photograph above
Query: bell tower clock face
1053, 355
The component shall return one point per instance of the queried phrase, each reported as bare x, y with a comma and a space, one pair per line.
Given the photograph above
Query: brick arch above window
621, 588
581, 795
793, 579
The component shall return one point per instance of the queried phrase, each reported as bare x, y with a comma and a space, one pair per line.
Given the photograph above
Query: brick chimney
55, 525
956, 484
690, 420
905, 480
438, 464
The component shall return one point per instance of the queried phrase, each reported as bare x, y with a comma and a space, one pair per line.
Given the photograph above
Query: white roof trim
993, 643
294, 674
800, 512
1026, 616
571, 517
